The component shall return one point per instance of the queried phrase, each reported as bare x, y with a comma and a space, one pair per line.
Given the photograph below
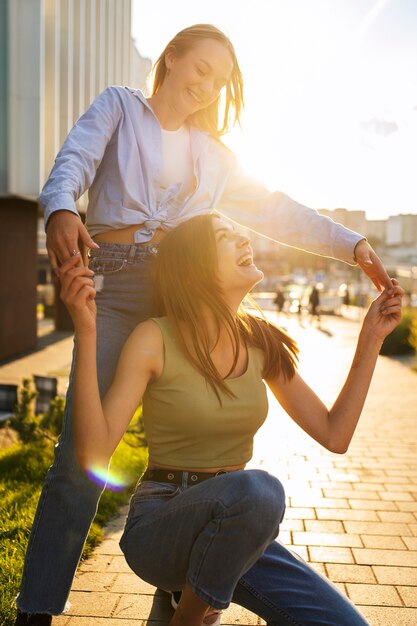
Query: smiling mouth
245, 261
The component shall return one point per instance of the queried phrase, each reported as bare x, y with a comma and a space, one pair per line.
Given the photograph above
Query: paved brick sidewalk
354, 517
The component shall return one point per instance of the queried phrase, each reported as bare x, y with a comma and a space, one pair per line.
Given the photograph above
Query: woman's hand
78, 294
384, 314
372, 265
63, 231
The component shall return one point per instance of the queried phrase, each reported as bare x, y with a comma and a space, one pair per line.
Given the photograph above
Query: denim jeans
69, 499
219, 537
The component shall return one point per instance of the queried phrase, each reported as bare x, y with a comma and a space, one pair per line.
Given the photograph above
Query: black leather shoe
32, 619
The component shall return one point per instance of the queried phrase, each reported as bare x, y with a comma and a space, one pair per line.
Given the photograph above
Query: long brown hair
186, 282
208, 119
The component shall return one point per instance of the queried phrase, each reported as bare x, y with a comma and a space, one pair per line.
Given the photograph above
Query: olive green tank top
185, 424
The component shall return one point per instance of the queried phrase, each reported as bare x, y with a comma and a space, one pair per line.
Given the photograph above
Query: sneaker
32, 619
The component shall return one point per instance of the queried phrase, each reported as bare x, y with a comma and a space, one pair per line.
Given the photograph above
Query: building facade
55, 57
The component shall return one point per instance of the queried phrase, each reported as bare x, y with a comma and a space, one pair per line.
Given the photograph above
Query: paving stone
387, 575
383, 541
389, 616
289, 524
90, 581
406, 485
94, 603
351, 493
350, 573
325, 526
408, 595
402, 558
331, 555
326, 539
96, 563
300, 550
396, 496
346, 514
384, 595
407, 506
364, 486
292, 512
373, 505
380, 528
108, 546
316, 502
397, 516
130, 583
61, 620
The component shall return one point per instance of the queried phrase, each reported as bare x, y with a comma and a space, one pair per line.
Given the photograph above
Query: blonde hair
186, 280
211, 119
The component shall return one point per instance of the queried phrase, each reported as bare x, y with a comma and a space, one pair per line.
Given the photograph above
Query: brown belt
179, 477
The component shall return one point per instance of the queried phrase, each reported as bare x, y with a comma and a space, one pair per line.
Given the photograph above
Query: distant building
376, 230
55, 57
402, 230
355, 220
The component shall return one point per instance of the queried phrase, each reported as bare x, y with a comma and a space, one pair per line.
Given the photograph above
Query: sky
330, 93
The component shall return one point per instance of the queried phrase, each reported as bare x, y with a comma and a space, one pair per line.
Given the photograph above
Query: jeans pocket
152, 490
106, 265
147, 497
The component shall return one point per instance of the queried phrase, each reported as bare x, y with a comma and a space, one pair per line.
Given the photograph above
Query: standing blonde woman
148, 164
198, 521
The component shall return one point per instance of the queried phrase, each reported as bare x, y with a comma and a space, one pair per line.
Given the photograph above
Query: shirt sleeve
77, 162
279, 217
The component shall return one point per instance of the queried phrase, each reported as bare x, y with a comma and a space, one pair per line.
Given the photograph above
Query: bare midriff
226, 468
127, 236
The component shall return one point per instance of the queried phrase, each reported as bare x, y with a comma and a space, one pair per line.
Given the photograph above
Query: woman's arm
334, 428
73, 172
279, 217
99, 425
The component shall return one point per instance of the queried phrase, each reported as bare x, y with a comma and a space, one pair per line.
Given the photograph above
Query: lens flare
106, 478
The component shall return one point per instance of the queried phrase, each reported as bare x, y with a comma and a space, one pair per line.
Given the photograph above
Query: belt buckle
220, 472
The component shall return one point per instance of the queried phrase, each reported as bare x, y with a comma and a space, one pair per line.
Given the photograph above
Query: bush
403, 339
31, 427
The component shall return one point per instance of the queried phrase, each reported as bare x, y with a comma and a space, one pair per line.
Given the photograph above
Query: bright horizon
330, 90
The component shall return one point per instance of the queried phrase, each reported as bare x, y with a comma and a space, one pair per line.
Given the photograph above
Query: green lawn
22, 471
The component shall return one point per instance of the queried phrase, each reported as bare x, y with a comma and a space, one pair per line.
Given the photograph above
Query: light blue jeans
68, 501
219, 537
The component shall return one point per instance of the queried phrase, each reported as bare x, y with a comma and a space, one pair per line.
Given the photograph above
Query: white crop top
177, 160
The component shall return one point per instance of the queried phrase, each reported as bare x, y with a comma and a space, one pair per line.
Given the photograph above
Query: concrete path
354, 517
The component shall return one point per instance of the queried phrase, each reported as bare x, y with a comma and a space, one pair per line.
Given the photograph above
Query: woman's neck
165, 113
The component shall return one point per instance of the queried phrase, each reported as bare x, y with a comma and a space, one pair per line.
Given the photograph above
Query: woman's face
236, 272
195, 79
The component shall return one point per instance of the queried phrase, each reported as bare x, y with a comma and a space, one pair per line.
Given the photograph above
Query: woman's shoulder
122, 95
148, 334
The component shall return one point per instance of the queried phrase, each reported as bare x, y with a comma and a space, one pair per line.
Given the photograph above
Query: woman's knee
264, 495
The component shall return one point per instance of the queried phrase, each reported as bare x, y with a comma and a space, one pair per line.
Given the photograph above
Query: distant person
314, 304
346, 297
280, 299
149, 164
200, 522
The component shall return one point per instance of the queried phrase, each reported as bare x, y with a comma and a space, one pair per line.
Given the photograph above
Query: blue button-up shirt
115, 151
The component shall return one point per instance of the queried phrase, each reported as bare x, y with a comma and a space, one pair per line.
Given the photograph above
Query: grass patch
22, 469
